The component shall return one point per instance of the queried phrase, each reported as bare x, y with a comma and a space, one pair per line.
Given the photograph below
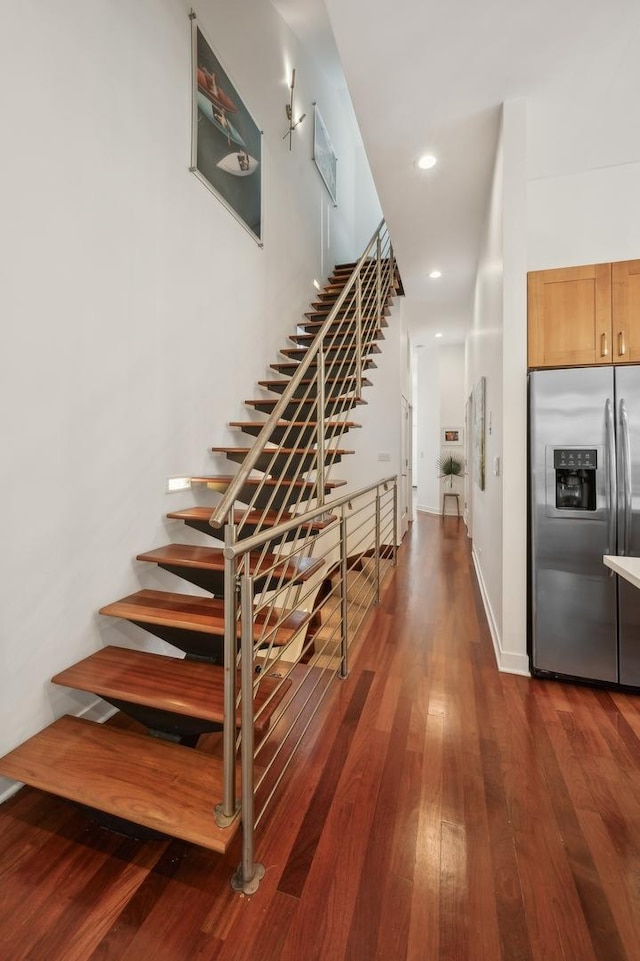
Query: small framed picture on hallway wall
452, 436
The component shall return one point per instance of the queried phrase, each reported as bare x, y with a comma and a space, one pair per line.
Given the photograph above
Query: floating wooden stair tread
294, 569
341, 364
298, 353
333, 289
341, 378
184, 687
295, 424
322, 309
223, 480
165, 787
332, 338
268, 402
342, 326
266, 519
284, 451
332, 293
369, 275
202, 614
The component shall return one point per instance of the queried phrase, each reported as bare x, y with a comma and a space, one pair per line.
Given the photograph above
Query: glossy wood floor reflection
443, 812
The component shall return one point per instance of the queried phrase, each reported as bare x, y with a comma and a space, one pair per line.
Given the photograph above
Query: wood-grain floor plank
596, 909
378, 861
423, 933
335, 877
138, 906
83, 922
295, 873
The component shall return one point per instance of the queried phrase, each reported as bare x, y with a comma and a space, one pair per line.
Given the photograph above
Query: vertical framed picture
226, 142
324, 156
478, 450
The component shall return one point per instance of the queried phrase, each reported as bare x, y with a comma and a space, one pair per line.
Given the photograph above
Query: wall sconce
289, 110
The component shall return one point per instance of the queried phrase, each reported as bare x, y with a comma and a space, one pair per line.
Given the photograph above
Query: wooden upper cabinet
626, 312
570, 316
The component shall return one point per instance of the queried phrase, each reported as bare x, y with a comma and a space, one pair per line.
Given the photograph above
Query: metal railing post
392, 269
226, 812
344, 606
379, 277
321, 403
377, 554
395, 521
248, 875
359, 337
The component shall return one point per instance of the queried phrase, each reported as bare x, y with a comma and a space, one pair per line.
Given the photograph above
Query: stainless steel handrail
225, 506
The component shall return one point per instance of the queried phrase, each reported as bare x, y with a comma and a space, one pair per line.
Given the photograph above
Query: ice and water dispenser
575, 478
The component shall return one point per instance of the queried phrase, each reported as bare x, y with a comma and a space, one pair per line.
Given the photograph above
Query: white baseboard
12, 787
98, 711
437, 512
507, 662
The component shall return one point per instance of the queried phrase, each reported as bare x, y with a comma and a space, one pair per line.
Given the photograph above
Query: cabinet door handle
622, 347
604, 348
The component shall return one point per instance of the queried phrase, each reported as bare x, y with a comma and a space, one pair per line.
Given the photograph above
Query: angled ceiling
429, 77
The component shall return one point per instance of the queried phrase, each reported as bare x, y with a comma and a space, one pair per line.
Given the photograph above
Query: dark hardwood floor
441, 812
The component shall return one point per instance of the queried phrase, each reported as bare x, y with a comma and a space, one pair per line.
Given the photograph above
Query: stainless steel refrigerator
584, 441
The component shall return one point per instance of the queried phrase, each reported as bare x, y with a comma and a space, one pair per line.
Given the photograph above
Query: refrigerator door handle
612, 476
625, 450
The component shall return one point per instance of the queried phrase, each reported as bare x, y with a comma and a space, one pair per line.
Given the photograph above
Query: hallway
446, 813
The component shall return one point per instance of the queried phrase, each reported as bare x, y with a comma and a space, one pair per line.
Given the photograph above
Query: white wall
137, 314
513, 466
588, 217
441, 397
583, 156
484, 359
427, 416
496, 350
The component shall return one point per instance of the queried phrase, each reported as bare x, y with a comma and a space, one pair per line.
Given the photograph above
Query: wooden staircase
166, 782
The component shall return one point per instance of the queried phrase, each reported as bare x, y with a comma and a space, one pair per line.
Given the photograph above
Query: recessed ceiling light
435, 274
427, 161
438, 335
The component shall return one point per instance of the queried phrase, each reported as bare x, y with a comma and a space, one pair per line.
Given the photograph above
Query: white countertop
627, 567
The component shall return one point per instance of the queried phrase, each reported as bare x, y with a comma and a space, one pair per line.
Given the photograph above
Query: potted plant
450, 465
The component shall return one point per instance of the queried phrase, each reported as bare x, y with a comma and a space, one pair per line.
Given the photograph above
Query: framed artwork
226, 142
478, 448
452, 436
323, 155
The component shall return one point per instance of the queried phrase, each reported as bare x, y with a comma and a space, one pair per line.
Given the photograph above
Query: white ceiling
431, 77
